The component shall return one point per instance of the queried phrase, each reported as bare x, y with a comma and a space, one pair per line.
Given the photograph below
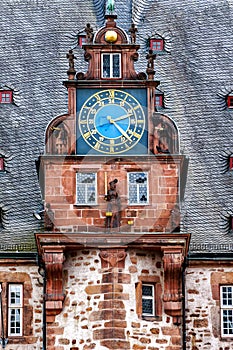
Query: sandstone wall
203, 307
32, 302
101, 310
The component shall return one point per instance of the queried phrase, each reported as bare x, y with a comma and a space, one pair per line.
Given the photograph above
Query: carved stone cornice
113, 257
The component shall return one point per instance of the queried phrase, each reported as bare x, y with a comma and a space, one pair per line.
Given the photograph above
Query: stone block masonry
26, 274
100, 308
203, 321
156, 216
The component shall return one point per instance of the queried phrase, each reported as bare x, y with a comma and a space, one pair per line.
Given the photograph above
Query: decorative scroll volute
53, 258
113, 258
172, 263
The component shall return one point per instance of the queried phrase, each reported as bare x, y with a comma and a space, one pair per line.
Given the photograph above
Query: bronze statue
89, 33
48, 218
150, 57
113, 212
71, 58
133, 30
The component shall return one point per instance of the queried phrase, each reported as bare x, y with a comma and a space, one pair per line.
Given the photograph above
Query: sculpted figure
71, 58
113, 207
89, 33
133, 30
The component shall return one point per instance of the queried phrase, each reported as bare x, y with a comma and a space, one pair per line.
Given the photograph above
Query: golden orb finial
111, 36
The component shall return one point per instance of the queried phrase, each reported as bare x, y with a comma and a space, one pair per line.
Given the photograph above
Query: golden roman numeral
86, 135
97, 97
111, 94
97, 145
136, 134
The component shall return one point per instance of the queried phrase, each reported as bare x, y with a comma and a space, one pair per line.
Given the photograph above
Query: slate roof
195, 74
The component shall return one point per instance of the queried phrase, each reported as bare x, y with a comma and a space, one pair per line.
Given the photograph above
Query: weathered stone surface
201, 323
103, 288
116, 345
108, 315
109, 333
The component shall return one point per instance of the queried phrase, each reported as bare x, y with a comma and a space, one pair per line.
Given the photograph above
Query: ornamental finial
110, 6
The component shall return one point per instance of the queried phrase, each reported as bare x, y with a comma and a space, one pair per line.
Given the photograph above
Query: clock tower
111, 180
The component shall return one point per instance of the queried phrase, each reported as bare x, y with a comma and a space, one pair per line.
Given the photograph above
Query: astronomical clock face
112, 122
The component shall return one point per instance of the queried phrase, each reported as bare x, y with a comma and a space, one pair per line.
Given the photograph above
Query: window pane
158, 101
147, 306
116, 66
138, 188
6, 96
15, 309
227, 296
227, 322
106, 66
147, 290
15, 318
86, 188
15, 294
157, 44
230, 101
1, 163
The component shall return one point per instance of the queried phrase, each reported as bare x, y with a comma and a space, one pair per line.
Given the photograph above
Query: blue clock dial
111, 121
106, 119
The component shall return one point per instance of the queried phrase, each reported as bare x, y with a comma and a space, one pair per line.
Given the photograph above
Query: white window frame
111, 65
138, 188
149, 298
86, 202
227, 307
15, 307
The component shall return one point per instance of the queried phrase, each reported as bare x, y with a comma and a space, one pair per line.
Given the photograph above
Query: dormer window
156, 44
231, 223
6, 96
158, 99
1, 218
230, 101
2, 168
111, 65
231, 162
81, 40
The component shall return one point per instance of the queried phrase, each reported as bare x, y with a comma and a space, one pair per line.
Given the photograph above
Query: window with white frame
15, 309
148, 300
226, 299
86, 186
138, 188
111, 65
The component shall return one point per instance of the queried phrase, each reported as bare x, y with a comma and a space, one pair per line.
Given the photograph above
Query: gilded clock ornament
111, 121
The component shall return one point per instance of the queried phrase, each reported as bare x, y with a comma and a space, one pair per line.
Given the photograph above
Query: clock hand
122, 131
102, 124
121, 117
